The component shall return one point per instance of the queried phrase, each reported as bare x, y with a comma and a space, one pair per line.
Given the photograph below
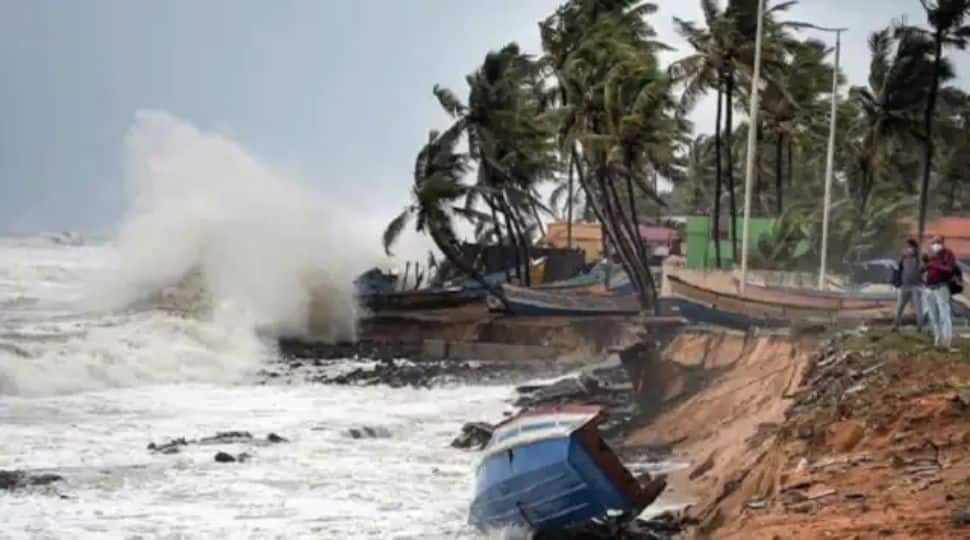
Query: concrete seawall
471, 334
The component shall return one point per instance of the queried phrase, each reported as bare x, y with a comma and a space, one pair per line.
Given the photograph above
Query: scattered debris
757, 504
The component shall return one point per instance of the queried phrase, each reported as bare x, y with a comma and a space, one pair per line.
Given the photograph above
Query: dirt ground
869, 439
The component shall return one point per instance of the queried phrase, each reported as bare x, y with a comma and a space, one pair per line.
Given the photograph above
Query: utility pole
830, 158
752, 143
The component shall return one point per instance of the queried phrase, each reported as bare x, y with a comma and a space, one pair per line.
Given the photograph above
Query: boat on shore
836, 300
420, 299
548, 469
526, 301
776, 312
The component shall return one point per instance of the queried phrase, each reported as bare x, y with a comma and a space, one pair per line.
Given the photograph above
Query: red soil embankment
789, 438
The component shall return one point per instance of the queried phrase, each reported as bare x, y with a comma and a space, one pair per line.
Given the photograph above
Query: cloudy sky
337, 90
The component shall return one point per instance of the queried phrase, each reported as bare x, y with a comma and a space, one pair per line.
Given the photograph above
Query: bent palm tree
437, 195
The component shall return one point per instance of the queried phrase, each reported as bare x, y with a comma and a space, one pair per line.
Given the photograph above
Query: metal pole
830, 163
752, 143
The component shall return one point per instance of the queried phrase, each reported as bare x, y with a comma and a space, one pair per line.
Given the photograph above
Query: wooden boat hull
818, 299
412, 300
698, 313
525, 301
772, 313
548, 470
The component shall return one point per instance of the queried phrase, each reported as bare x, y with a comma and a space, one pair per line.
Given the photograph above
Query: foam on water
322, 484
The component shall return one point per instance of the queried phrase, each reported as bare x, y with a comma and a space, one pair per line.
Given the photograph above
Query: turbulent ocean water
83, 391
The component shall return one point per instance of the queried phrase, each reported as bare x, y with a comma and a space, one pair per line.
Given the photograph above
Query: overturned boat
548, 469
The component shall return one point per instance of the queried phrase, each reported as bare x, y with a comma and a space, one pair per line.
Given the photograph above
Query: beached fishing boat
773, 312
835, 300
548, 469
421, 299
697, 313
526, 301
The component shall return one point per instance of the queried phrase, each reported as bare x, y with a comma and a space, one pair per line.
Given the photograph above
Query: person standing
908, 279
940, 267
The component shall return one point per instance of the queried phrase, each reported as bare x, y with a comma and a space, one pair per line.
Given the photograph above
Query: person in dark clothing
940, 267
909, 283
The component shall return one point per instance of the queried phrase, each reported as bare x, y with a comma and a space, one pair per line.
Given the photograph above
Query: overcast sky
338, 90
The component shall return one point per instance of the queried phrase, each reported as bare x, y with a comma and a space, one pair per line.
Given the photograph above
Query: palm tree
690, 194
899, 75
436, 199
945, 18
510, 142
602, 55
954, 128
723, 52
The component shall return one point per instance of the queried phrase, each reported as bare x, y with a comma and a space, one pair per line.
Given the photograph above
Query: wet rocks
663, 527
169, 447
298, 349
224, 457
371, 363
174, 446
227, 437
474, 435
13, 480
369, 432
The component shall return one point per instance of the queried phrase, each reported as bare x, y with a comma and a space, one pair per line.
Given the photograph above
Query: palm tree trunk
591, 202
779, 196
728, 135
513, 243
716, 217
650, 289
928, 133
790, 163
951, 200
498, 234
538, 218
624, 241
569, 205
520, 230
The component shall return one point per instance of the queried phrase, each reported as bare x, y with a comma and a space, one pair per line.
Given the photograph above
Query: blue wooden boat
549, 470
698, 313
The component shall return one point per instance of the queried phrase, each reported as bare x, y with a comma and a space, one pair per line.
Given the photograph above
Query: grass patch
906, 344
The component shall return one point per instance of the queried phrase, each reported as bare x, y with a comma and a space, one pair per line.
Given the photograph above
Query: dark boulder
224, 457
474, 435
276, 439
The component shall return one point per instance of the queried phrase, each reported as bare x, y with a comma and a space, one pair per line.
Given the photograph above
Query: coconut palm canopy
595, 121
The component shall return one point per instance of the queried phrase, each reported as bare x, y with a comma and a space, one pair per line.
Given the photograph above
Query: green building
700, 245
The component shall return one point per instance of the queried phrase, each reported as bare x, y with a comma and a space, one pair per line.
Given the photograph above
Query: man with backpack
942, 274
908, 280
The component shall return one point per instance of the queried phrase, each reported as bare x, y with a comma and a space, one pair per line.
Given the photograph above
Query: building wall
586, 236
700, 246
